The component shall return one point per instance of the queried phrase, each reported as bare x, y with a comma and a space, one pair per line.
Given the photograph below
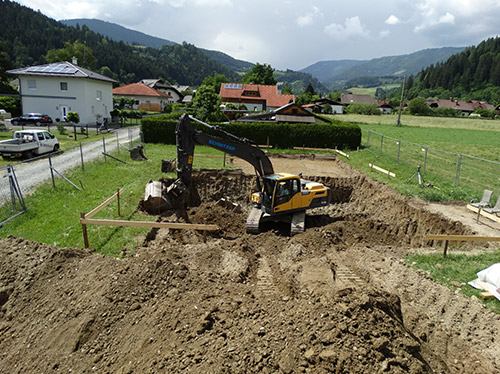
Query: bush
61, 128
160, 129
367, 109
73, 117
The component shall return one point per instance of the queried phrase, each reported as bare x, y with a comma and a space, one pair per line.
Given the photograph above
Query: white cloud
239, 45
447, 18
392, 20
304, 20
352, 29
308, 18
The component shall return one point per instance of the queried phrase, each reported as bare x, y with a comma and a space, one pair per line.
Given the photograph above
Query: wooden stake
118, 198
445, 249
84, 231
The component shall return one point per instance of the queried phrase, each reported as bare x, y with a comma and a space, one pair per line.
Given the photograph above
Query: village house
255, 97
289, 113
466, 108
161, 85
146, 98
58, 88
319, 106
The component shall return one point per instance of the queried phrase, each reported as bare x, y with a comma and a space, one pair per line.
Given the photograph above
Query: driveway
31, 174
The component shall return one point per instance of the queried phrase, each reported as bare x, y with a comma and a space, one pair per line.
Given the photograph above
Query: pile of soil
336, 298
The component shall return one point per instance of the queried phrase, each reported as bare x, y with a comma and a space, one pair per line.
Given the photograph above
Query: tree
260, 74
286, 89
215, 81
418, 106
83, 54
206, 104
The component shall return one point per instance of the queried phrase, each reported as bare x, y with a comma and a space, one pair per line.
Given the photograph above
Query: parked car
36, 119
28, 143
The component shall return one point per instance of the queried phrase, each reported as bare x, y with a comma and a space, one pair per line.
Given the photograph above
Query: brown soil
336, 298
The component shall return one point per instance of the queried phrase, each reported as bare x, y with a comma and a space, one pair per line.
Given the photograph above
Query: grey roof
61, 69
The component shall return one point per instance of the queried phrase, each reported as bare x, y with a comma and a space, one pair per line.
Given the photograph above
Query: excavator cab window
284, 191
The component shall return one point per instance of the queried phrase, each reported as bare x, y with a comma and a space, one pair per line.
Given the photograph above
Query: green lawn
66, 140
433, 143
53, 214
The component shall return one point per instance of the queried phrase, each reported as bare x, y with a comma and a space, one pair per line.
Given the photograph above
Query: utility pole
398, 123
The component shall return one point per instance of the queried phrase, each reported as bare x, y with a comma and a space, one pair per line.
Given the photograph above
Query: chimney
74, 60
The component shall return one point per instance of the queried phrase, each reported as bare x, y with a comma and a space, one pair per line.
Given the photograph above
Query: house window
98, 95
31, 84
63, 86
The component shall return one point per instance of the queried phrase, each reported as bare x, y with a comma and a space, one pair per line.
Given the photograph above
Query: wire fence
11, 198
37, 170
456, 168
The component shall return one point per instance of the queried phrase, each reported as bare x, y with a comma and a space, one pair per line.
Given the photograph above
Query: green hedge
160, 129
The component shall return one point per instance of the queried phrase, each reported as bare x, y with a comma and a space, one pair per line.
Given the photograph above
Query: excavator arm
187, 137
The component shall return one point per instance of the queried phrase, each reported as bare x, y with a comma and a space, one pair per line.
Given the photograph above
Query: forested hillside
472, 74
27, 36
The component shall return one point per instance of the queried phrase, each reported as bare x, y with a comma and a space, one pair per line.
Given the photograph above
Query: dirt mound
336, 298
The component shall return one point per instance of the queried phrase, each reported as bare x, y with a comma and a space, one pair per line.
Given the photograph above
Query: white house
160, 85
58, 88
145, 97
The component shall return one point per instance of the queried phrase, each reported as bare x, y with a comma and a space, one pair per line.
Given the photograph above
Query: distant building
255, 97
160, 85
465, 107
146, 98
347, 99
289, 113
58, 88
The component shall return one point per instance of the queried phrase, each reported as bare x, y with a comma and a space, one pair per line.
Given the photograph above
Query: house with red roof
256, 97
146, 98
465, 107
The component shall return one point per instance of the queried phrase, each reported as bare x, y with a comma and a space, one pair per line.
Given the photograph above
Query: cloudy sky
294, 34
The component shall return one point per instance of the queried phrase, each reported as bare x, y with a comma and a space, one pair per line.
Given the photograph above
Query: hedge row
338, 134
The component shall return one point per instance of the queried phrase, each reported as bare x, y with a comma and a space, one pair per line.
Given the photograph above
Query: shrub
73, 117
367, 109
338, 134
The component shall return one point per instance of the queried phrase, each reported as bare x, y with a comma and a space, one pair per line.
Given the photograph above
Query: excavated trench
336, 298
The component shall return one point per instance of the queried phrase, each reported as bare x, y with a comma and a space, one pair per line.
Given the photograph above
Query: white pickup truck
28, 143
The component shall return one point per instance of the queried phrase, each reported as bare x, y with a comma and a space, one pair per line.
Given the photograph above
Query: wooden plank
96, 210
487, 295
463, 238
382, 170
474, 209
342, 153
315, 149
168, 225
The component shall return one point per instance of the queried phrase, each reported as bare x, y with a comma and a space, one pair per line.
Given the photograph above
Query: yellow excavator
280, 197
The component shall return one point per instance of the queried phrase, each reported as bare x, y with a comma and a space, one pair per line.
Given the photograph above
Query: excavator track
253, 220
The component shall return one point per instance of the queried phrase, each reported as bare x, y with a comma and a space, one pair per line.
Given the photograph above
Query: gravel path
32, 174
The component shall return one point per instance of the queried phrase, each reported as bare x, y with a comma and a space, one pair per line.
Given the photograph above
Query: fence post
459, 163
81, 157
117, 143
52, 172
118, 198
425, 157
399, 150
381, 144
104, 148
84, 231
74, 131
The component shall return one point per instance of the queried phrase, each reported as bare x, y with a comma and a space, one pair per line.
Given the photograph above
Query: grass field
53, 214
66, 141
371, 90
434, 143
